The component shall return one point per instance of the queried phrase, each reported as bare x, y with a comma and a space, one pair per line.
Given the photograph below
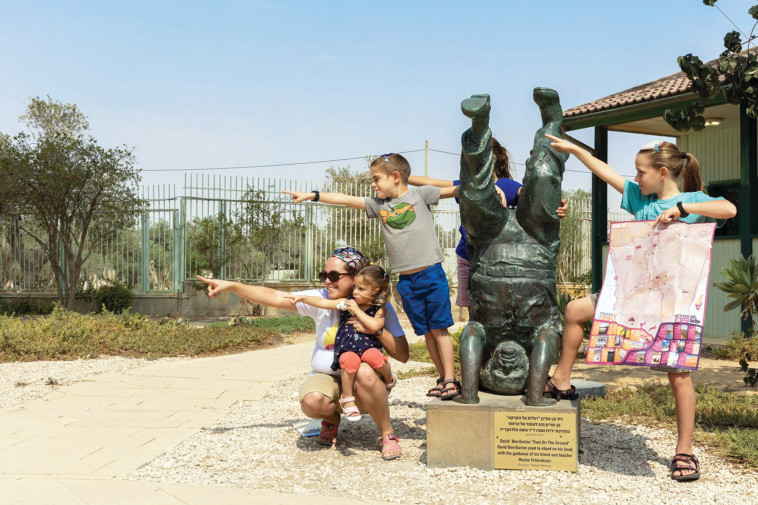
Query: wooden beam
748, 188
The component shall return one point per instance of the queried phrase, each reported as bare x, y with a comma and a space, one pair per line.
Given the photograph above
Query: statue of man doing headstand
514, 331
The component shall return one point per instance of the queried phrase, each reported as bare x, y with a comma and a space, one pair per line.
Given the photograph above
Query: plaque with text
535, 441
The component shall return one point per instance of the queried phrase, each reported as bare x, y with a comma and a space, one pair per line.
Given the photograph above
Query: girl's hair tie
653, 146
685, 156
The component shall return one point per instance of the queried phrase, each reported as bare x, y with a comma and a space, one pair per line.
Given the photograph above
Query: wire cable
269, 165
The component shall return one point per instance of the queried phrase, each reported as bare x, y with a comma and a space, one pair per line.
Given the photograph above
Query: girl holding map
654, 195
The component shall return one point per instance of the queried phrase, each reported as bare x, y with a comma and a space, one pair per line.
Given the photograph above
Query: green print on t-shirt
399, 217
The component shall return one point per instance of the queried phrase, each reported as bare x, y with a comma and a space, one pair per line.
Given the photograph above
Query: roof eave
634, 112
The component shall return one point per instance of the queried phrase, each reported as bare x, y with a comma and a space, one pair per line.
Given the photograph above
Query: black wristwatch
682, 212
315, 198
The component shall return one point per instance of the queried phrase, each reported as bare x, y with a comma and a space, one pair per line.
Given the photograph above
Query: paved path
76, 445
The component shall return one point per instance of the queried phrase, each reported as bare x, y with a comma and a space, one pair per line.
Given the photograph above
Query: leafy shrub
744, 350
738, 346
115, 297
67, 335
24, 307
419, 352
281, 324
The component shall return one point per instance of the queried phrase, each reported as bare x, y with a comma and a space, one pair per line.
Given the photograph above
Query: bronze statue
514, 331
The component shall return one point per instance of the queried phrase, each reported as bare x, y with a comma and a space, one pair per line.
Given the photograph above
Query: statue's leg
544, 351
472, 349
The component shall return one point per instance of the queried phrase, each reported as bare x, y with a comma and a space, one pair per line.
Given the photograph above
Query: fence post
145, 252
222, 238
179, 248
309, 243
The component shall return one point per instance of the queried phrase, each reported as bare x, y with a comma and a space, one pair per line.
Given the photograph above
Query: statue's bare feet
467, 399
550, 108
478, 109
539, 400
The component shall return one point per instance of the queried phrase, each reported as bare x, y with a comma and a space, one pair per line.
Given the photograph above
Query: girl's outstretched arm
597, 167
717, 209
420, 180
316, 301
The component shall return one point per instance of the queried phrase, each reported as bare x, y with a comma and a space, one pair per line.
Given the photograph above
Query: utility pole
426, 158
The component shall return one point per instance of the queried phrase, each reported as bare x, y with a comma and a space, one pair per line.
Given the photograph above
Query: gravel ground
25, 381
254, 446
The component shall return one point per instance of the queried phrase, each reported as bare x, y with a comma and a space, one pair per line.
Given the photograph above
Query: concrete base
501, 432
588, 389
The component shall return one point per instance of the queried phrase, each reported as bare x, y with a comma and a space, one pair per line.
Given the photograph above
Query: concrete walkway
75, 446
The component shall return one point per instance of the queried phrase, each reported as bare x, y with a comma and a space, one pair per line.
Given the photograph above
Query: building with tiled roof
728, 153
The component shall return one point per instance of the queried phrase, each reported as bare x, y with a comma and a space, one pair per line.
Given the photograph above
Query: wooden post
426, 158
599, 210
748, 186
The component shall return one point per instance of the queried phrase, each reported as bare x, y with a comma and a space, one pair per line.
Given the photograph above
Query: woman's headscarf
352, 258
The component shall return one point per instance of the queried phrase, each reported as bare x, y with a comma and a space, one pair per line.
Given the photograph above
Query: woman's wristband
315, 198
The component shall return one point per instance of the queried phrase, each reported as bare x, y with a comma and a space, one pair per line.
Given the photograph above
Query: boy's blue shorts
426, 299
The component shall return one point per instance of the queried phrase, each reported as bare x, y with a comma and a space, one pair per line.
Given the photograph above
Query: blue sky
236, 83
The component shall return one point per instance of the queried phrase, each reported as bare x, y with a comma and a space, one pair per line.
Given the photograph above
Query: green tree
574, 238
354, 228
735, 74
72, 194
204, 243
266, 221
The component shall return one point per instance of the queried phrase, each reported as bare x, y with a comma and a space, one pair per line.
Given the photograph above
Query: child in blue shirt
655, 195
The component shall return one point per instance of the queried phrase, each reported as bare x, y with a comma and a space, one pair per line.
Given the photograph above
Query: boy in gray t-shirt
414, 253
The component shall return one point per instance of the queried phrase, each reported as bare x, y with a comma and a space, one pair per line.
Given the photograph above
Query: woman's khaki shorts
329, 386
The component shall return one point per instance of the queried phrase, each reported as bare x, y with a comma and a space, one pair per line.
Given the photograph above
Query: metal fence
237, 228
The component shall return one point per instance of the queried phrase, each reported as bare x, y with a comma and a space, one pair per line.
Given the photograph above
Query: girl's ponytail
679, 164
691, 180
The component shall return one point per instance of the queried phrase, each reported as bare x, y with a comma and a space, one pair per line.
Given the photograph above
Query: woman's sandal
390, 448
351, 413
451, 389
682, 461
391, 385
328, 434
436, 391
560, 394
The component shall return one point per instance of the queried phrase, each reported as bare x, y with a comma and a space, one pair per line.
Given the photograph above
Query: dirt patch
722, 374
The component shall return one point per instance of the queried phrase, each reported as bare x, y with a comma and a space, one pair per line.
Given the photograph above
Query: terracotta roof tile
675, 84
672, 85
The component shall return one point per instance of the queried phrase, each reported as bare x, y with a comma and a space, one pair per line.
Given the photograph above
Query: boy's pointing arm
332, 198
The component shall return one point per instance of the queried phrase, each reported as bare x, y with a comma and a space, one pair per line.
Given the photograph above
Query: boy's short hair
392, 162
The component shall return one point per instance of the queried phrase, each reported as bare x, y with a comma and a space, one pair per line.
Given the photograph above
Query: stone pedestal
501, 432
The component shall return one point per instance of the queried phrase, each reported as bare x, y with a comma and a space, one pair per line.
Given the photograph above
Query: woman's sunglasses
333, 276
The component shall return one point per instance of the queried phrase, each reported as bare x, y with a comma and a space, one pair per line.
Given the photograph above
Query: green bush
68, 335
738, 346
419, 352
114, 297
25, 307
